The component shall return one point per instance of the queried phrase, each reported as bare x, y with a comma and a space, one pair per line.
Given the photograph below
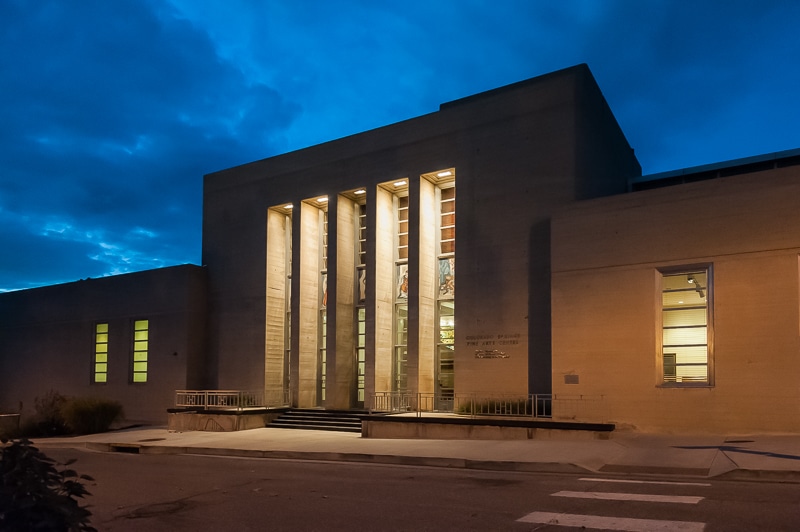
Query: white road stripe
682, 499
612, 523
627, 481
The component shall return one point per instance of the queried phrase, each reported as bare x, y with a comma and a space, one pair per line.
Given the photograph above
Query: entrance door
445, 390
445, 351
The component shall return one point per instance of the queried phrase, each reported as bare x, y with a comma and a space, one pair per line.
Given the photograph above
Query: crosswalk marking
682, 499
612, 523
660, 482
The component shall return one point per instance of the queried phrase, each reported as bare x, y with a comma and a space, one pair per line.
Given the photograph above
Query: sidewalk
764, 457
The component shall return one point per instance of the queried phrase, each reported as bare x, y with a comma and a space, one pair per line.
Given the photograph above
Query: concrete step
318, 419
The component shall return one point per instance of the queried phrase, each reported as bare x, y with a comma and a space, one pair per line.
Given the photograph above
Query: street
186, 492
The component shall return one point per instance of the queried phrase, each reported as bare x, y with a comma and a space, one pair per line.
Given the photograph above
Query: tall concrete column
341, 362
278, 228
380, 291
306, 325
428, 284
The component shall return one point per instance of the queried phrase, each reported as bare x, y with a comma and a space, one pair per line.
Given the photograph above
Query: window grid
323, 352
362, 235
445, 341
324, 240
323, 315
400, 355
140, 350
685, 327
402, 228
101, 353
287, 327
361, 353
447, 242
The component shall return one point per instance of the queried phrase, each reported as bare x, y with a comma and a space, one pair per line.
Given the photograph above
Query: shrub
34, 495
48, 420
87, 415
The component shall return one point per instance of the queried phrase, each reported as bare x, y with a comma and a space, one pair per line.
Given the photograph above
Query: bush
48, 420
88, 415
34, 495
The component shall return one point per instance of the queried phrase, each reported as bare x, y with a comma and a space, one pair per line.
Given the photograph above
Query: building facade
679, 305
133, 338
668, 302
333, 269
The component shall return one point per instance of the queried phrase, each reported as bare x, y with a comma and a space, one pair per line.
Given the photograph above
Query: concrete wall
606, 302
519, 153
48, 340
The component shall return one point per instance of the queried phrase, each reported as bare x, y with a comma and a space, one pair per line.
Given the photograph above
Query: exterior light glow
359, 192
446, 173
288, 206
400, 183
323, 199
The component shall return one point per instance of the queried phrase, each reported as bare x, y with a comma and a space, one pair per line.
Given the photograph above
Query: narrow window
686, 326
287, 301
400, 361
361, 353
361, 298
445, 345
322, 355
361, 259
101, 352
400, 355
140, 350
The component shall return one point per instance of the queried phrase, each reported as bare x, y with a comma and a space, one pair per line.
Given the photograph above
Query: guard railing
230, 399
536, 405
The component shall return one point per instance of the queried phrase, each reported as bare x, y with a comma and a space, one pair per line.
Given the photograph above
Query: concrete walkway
765, 457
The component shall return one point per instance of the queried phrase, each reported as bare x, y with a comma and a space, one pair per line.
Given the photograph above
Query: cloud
112, 113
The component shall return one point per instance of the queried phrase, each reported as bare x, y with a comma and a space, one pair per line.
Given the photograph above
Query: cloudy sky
111, 112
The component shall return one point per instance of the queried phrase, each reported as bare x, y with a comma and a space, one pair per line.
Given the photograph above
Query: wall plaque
494, 353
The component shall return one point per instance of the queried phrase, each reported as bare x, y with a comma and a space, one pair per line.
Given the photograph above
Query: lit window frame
140, 351
100, 358
688, 270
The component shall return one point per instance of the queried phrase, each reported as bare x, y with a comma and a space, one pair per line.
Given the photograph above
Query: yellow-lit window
402, 228
686, 327
140, 350
101, 352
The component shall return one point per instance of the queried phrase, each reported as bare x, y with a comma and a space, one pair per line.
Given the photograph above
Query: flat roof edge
581, 67
733, 163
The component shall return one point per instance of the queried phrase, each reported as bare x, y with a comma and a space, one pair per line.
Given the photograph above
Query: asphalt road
183, 492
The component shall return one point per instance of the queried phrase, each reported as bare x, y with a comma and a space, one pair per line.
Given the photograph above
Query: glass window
402, 286
400, 355
447, 225
361, 352
402, 228
141, 331
101, 352
685, 322
445, 346
361, 259
323, 353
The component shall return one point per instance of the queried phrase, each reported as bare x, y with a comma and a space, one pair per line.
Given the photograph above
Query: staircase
317, 419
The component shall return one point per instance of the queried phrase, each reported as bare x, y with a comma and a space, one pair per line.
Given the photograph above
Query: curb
363, 458
434, 461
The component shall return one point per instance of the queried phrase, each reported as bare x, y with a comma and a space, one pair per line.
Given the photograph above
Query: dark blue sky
112, 111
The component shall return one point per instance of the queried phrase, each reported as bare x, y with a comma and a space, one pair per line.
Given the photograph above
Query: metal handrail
532, 405
230, 399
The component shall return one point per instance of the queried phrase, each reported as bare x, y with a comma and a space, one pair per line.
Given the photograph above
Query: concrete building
134, 338
333, 268
679, 305
666, 302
